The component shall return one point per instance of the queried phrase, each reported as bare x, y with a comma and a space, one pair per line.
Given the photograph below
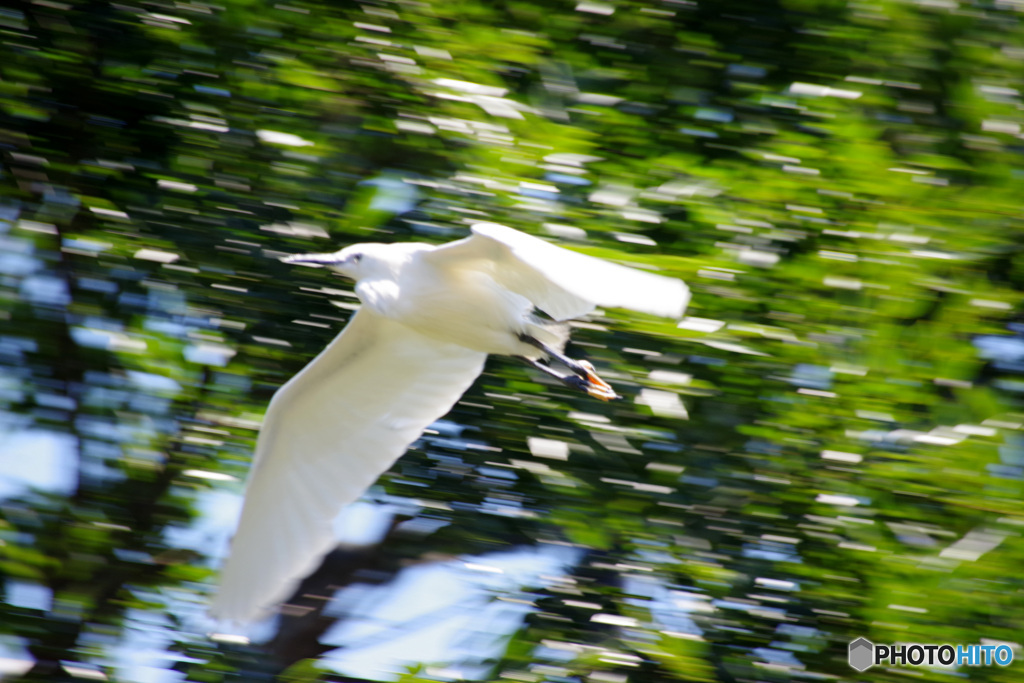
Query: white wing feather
329, 433
563, 283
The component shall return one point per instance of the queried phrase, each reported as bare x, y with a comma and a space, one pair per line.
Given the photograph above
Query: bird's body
430, 316
462, 306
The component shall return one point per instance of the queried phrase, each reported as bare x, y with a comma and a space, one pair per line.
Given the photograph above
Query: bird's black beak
315, 260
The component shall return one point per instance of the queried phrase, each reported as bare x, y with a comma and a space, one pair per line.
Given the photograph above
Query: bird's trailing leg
581, 367
584, 375
602, 391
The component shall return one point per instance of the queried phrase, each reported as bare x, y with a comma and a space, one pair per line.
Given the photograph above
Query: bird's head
357, 261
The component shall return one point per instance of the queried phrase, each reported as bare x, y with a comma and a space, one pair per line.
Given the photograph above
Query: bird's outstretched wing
327, 435
562, 283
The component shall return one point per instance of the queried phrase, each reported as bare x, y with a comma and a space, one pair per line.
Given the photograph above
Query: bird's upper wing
327, 435
562, 283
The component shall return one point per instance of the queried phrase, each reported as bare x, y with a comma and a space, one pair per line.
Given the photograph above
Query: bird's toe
597, 387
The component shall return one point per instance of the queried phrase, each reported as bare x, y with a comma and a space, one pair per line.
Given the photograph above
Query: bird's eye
356, 258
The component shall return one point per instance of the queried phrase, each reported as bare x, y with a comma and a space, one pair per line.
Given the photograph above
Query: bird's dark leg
585, 377
570, 363
570, 380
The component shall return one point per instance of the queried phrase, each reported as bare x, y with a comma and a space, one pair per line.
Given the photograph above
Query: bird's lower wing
328, 434
563, 283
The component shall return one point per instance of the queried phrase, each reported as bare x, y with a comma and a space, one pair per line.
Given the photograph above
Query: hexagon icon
862, 654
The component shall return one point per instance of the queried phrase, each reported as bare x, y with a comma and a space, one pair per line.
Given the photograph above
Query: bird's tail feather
554, 334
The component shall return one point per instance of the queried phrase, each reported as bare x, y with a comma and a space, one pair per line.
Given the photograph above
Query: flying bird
430, 316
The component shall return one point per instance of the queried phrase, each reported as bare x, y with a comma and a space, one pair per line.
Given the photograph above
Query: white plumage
430, 316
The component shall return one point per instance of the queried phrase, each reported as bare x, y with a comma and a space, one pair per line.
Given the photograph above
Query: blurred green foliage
828, 448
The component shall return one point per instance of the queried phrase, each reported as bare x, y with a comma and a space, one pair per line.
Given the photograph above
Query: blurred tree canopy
828, 447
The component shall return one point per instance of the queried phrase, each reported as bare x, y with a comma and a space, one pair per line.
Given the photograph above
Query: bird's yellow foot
596, 386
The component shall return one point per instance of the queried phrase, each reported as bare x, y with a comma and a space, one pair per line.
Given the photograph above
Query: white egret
430, 315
